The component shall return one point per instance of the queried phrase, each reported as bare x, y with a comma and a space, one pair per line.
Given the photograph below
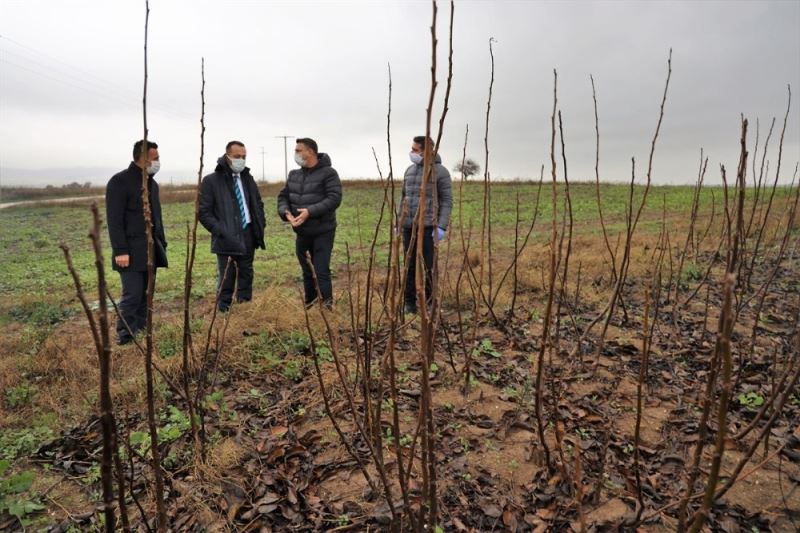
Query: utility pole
262, 165
285, 154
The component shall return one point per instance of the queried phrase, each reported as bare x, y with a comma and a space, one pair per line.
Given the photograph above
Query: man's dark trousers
320, 247
243, 264
132, 305
411, 261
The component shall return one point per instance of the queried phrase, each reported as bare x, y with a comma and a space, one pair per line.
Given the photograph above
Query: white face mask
299, 159
415, 158
154, 167
237, 165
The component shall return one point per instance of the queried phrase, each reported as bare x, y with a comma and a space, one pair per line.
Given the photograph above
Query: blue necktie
240, 200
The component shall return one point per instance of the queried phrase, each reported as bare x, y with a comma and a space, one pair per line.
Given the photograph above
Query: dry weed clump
224, 455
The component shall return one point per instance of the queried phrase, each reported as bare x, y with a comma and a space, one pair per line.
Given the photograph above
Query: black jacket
125, 216
317, 189
219, 212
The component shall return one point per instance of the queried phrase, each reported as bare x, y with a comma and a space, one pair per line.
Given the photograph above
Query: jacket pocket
228, 241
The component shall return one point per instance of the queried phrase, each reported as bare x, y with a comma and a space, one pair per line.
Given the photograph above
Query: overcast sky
71, 82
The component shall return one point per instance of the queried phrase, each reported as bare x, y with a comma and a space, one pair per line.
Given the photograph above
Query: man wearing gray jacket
438, 205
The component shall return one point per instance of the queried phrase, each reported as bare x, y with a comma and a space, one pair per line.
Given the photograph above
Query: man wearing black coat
232, 210
308, 202
126, 230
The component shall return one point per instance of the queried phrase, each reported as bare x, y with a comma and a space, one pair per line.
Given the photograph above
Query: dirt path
68, 199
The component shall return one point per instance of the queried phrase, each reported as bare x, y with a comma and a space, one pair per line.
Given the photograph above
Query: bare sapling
340, 371
781, 398
148, 363
487, 182
715, 257
429, 510
465, 268
191, 248
722, 347
353, 304
567, 225
206, 362
131, 453
763, 220
759, 307
372, 413
723, 344
758, 179
652, 302
708, 395
597, 186
556, 389
392, 290
99, 329
579, 490
545, 339
689, 235
624, 263
700, 238
763, 290
518, 250
329, 411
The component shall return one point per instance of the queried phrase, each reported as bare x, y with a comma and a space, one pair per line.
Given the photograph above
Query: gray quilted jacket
412, 183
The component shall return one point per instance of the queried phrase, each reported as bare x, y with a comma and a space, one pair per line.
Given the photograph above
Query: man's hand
123, 261
302, 216
289, 216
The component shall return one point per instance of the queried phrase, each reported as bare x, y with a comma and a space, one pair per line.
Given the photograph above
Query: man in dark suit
308, 202
232, 210
126, 230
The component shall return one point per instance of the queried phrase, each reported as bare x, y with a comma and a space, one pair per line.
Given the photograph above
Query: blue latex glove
441, 233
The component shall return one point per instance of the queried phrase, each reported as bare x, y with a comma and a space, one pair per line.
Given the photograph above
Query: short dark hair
420, 140
233, 143
137, 148
310, 143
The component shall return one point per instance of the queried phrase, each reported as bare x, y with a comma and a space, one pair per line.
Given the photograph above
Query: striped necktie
240, 200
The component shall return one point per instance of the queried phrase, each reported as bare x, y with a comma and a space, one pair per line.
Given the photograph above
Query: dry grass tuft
224, 455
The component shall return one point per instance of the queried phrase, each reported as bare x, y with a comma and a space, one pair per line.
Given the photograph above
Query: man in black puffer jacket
308, 202
232, 210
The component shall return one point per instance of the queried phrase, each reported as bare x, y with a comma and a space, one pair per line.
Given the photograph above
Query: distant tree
468, 168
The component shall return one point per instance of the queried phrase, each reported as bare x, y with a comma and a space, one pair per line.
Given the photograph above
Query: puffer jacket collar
323, 160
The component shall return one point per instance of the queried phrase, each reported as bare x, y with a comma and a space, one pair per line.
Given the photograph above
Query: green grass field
34, 272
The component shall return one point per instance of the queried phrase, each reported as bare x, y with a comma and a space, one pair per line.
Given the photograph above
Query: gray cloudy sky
71, 80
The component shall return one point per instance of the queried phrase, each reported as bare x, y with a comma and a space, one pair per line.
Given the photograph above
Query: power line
104, 88
65, 82
70, 67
